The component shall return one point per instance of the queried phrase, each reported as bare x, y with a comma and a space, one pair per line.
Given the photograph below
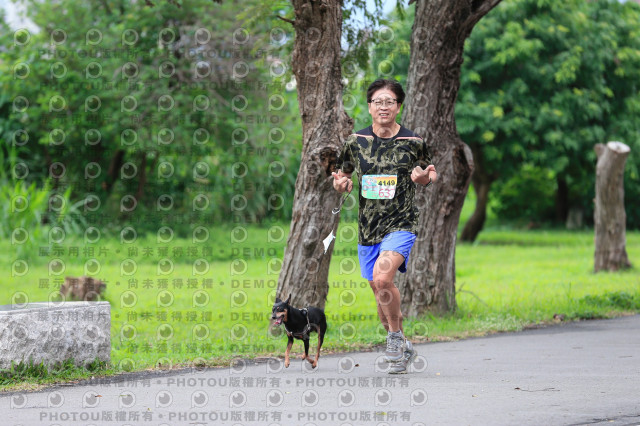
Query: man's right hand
342, 182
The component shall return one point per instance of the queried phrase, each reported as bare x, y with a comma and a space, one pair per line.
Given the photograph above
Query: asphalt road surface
571, 374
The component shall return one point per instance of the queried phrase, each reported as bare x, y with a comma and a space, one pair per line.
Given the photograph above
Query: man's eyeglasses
384, 102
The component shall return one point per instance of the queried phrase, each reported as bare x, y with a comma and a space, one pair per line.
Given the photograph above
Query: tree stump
609, 215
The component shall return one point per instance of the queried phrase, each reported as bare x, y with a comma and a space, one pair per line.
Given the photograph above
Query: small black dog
299, 323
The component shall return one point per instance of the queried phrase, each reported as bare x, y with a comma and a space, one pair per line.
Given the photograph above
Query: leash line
327, 241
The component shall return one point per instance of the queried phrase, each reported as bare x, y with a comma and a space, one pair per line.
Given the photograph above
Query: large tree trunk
562, 200
609, 215
437, 41
114, 170
476, 222
142, 180
325, 125
481, 184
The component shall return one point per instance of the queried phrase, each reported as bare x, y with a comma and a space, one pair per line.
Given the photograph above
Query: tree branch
285, 19
479, 8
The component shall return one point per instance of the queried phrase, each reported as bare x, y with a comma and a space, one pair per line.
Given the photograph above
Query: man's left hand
422, 176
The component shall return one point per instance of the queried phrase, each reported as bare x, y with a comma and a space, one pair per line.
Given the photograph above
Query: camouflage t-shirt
384, 162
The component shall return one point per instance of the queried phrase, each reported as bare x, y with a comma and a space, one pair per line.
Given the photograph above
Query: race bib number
379, 187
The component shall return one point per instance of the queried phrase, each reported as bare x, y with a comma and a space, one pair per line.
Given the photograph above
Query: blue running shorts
399, 241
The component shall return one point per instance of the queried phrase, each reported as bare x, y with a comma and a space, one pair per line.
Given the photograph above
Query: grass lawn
183, 303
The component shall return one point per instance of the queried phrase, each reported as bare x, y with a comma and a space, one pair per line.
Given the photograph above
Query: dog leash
327, 241
337, 209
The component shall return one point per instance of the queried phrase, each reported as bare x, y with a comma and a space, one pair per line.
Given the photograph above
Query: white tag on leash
327, 241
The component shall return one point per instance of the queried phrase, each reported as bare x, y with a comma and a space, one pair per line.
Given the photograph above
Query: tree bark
481, 185
562, 200
114, 170
609, 215
437, 41
476, 222
325, 125
142, 181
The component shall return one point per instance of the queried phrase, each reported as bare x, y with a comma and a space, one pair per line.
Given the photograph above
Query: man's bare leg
387, 294
383, 318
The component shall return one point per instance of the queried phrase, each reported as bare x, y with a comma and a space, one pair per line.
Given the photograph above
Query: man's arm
342, 181
427, 175
424, 176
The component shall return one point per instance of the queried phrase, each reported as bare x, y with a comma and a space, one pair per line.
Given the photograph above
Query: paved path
573, 374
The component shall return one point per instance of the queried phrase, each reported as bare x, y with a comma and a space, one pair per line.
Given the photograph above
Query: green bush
631, 195
28, 214
529, 194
